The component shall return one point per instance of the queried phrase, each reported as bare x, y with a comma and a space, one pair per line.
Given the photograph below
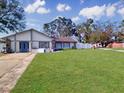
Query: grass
118, 48
74, 71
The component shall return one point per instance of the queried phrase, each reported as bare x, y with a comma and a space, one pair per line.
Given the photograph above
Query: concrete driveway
9, 61
12, 67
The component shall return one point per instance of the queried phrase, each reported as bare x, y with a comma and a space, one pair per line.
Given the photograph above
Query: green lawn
118, 48
74, 71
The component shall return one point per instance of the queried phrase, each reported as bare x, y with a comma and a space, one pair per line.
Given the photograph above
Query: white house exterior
65, 43
29, 40
2, 45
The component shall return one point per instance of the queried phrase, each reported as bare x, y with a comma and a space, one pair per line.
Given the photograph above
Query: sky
39, 12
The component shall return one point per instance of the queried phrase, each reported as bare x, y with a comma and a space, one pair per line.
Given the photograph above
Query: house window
58, 45
43, 44
66, 45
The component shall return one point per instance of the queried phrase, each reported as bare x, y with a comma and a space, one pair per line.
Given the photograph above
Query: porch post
31, 39
15, 43
69, 45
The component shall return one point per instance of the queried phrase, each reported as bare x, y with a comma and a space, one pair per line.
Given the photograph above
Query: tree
95, 36
86, 28
122, 26
60, 27
12, 18
2, 4
107, 28
120, 34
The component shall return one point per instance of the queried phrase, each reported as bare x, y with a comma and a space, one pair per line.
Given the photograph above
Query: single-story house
34, 41
2, 45
29, 40
65, 43
116, 45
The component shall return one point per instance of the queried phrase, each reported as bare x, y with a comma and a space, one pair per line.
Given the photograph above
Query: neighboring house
116, 45
26, 41
65, 43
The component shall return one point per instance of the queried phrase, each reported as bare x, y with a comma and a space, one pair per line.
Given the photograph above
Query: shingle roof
65, 39
7, 35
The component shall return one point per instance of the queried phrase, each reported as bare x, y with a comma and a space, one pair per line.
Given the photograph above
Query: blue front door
24, 46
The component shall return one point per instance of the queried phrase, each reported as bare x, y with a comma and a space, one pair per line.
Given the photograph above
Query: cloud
97, 12
29, 9
93, 12
75, 19
37, 7
119, 4
82, 1
110, 10
67, 8
43, 10
63, 7
38, 3
121, 12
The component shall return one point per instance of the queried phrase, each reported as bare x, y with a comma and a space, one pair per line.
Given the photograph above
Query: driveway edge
9, 80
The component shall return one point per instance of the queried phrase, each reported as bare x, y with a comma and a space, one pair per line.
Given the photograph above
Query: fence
83, 45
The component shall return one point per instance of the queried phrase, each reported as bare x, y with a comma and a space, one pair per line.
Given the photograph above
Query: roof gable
24, 32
